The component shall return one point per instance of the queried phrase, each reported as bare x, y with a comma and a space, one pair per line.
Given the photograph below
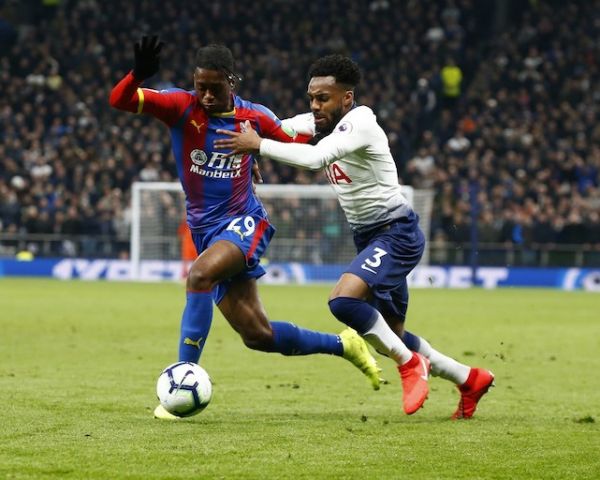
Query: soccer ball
184, 389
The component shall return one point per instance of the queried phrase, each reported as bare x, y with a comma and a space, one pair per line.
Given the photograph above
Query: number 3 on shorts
249, 226
374, 261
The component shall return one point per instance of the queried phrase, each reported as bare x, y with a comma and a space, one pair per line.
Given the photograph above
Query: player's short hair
217, 57
342, 68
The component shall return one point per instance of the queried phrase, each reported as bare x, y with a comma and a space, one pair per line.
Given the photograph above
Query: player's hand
246, 141
147, 57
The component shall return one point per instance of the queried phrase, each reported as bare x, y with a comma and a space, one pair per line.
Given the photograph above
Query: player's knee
199, 280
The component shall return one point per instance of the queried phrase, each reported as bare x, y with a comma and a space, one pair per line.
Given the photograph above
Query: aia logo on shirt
336, 175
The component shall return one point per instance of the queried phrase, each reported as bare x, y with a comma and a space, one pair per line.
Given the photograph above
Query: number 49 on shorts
248, 226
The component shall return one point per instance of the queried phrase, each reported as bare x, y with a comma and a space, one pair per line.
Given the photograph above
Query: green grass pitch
79, 362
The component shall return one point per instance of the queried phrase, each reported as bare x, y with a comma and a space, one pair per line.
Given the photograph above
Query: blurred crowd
496, 108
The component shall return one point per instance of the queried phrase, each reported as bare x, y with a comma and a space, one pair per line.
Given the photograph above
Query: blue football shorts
386, 255
251, 233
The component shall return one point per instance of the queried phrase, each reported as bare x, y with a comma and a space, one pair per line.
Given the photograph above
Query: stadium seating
520, 131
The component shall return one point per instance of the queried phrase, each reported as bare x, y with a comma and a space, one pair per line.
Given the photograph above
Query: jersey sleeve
303, 124
166, 105
271, 127
350, 135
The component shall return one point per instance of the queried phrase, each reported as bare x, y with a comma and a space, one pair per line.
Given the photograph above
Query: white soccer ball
184, 389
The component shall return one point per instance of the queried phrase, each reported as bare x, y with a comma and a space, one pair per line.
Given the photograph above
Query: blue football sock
355, 313
411, 341
289, 339
195, 325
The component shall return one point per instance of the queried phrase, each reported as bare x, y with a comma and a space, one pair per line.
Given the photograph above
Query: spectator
425, 101
452, 77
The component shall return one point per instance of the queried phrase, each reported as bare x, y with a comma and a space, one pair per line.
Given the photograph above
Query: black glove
147, 57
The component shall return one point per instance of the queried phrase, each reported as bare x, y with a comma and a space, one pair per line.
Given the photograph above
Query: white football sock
386, 342
443, 366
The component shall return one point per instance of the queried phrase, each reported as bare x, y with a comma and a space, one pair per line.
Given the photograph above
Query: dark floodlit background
494, 105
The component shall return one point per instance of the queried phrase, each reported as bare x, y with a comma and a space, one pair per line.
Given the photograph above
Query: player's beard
336, 116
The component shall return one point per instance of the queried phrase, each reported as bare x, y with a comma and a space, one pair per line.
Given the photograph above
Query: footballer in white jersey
358, 163
372, 294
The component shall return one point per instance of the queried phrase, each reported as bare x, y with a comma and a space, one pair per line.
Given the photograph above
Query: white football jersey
358, 164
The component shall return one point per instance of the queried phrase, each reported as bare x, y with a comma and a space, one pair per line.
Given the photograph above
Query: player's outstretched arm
311, 157
128, 95
248, 141
125, 94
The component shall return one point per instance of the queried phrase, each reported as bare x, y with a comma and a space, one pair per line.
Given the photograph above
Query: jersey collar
230, 113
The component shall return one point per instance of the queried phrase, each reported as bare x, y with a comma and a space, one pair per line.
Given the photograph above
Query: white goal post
311, 227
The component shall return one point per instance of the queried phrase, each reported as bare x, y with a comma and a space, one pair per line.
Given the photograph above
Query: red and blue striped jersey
215, 187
